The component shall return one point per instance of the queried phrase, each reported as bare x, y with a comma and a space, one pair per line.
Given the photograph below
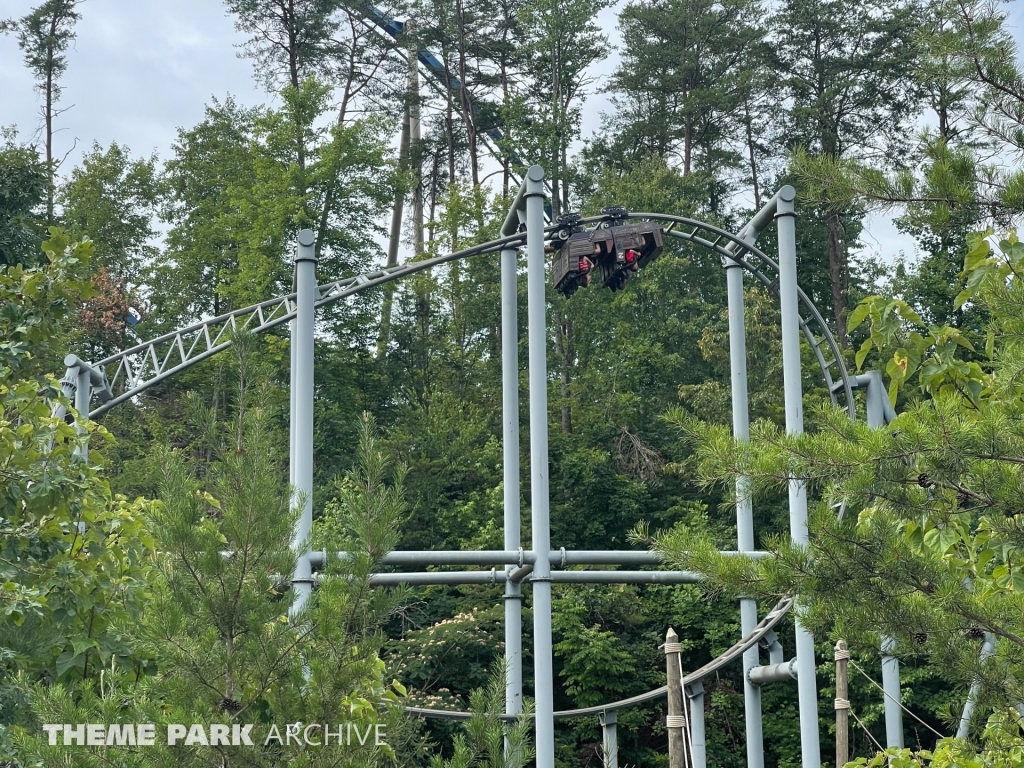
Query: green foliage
1000, 748
687, 70
76, 558
927, 547
114, 200
44, 35
219, 643
23, 184
242, 186
486, 740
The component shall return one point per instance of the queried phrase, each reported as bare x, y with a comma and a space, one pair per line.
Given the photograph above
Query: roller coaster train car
618, 251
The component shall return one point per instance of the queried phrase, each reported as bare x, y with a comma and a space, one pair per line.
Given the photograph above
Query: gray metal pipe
526, 574
698, 738
810, 747
292, 481
513, 220
83, 395
436, 557
302, 434
875, 399
97, 378
510, 478
988, 649
622, 577
758, 222
610, 738
775, 654
438, 577
744, 504
891, 687
562, 558
558, 558
533, 189
519, 574
773, 673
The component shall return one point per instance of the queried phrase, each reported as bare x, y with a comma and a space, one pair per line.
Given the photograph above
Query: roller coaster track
754, 636
441, 80
144, 365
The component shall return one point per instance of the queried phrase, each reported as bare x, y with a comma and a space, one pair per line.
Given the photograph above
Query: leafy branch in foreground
917, 531
486, 739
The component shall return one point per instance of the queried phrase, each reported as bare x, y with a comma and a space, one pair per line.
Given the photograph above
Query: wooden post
676, 720
842, 704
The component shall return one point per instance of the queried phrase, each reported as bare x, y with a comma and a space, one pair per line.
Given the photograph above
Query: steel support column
744, 505
302, 412
539, 473
610, 738
988, 649
875, 408
698, 739
809, 738
510, 463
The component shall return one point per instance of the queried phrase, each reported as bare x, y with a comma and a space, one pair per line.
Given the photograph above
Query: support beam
302, 430
83, 394
698, 737
510, 478
559, 559
810, 747
525, 575
533, 193
81, 381
988, 649
610, 738
744, 504
771, 642
876, 399
773, 673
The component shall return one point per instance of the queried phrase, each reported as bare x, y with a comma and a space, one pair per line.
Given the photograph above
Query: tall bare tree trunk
837, 271
465, 101
51, 170
753, 156
394, 242
564, 350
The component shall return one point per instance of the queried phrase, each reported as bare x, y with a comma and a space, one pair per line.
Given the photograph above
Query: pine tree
44, 35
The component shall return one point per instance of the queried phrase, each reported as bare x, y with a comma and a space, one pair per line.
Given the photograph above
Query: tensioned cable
861, 724
892, 698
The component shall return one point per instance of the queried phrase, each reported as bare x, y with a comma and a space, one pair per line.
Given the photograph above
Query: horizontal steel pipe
773, 673
437, 577
558, 559
437, 557
625, 577
557, 577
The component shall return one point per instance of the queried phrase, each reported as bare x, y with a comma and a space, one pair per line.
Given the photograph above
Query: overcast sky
140, 69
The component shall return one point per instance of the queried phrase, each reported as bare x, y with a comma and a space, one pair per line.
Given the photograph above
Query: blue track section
394, 28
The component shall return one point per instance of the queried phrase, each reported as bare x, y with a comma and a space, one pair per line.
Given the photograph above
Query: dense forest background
912, 107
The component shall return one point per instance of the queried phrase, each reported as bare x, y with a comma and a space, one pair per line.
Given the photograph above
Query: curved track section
758, 264
140, 367
754, 636
146, 364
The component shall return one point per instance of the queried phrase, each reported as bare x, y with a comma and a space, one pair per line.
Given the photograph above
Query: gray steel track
144, 365
736, 651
